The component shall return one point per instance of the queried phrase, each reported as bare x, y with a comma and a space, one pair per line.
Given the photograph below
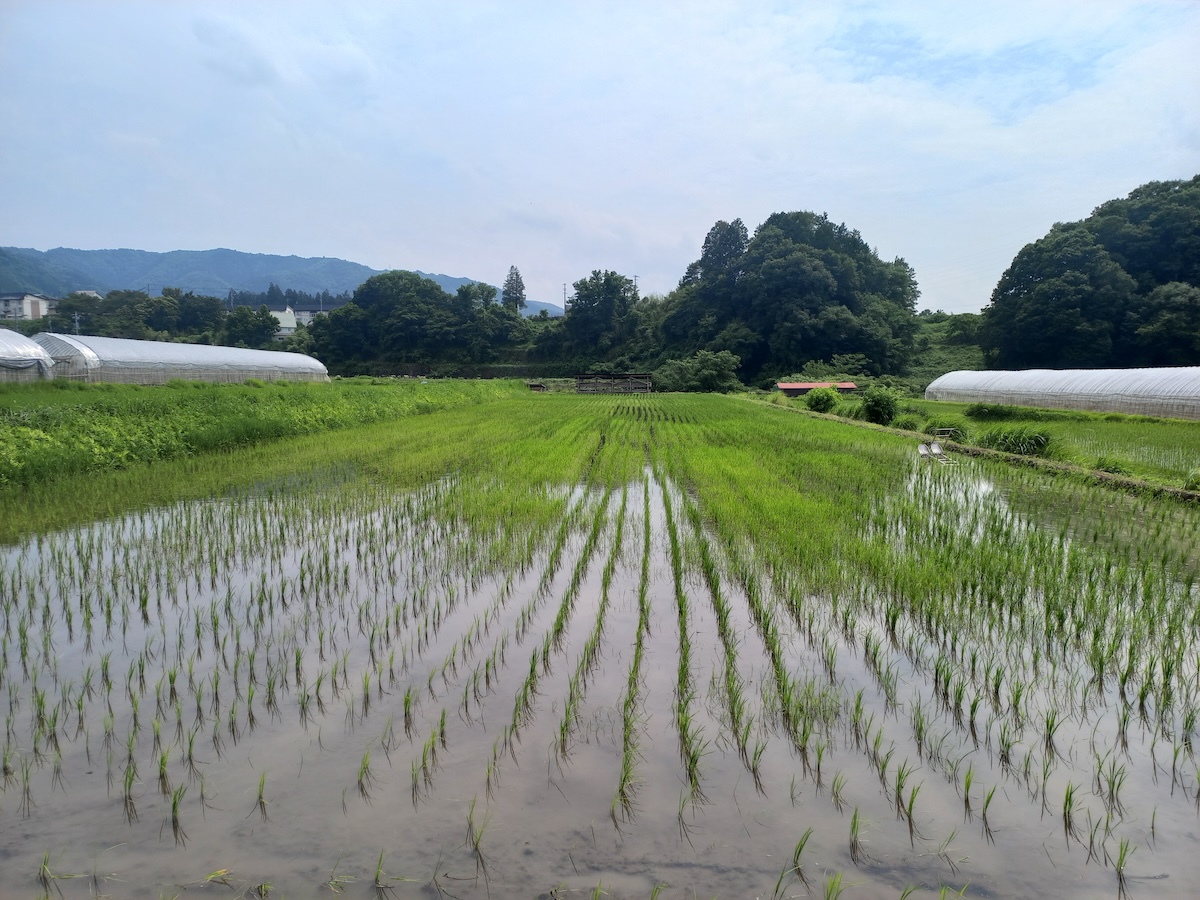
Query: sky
561, 137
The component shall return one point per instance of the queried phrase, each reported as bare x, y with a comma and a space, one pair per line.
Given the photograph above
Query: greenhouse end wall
22, 359
1169, 392
89, 358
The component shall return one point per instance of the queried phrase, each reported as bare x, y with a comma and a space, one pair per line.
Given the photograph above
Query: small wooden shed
622, 383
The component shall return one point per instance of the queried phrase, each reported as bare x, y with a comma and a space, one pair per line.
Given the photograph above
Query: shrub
1022, 439
705, 371
907, 422
879, 404
822, 400
992, 412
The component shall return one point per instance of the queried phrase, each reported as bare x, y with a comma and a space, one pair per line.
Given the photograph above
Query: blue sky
561, 137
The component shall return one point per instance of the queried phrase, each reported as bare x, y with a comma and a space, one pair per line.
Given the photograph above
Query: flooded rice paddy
677, 676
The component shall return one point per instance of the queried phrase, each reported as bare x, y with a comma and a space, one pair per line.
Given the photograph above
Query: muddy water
450, 800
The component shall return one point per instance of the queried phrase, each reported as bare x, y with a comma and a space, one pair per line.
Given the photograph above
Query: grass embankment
1157, 451
57, 438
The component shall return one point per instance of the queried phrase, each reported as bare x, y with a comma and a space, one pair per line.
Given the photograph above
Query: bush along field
654, 646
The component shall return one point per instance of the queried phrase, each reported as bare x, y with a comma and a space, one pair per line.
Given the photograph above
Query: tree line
801, 294
802, 288
174, 315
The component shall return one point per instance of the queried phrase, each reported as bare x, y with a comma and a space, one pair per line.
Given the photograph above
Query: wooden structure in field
623, 383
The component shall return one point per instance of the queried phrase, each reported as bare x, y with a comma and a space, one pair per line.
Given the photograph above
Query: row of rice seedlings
577, 687
630, 706
734, 692
692, 745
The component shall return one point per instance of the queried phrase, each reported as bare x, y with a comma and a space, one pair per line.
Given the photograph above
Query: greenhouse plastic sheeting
22, 359
1173, 392
156, 362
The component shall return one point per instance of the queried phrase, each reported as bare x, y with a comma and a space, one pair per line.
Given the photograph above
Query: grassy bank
52, 430
1163, 452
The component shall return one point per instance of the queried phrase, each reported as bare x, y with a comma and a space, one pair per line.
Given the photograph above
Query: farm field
552, 646
1166, 451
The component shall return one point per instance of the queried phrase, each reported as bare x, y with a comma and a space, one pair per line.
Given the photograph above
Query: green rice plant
365, 779
857, 853
797, 852
164, 780
987, 802
1124, 851
47, 878
1070, 806
176, 802
908, 814
128, 806
382, 882
833, 887
337, 883
837, 786
260, 803
968, 780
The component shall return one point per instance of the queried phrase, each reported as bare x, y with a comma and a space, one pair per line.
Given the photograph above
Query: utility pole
564, 296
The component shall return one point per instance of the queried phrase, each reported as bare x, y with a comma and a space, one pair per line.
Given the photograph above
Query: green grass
53, 429
1164, 451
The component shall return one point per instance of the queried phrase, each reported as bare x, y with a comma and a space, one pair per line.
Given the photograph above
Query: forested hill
1119, 288
213, 273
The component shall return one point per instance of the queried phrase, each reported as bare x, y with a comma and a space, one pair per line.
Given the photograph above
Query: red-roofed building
800, 388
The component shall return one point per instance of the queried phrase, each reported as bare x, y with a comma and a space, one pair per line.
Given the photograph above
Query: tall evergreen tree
513, 294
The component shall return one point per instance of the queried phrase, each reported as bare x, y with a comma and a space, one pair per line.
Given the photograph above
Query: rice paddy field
545, 646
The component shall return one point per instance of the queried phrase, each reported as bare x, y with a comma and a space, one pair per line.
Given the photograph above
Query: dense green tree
803, 288
249, 328
597, 315
400, 322
1168, 326
703, 371
1061, 303
513, 293
197, 313
1111, 290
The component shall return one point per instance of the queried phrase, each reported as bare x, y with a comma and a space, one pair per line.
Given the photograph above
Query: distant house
287, 322
800, 388
22, 305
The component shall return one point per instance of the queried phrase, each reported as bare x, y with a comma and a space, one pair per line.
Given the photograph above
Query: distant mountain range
61, 271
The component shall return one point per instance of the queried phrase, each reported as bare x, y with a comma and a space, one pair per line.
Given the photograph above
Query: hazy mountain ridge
62, 270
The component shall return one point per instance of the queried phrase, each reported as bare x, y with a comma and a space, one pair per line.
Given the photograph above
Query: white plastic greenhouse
1173, 392
22, 359
89, 358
